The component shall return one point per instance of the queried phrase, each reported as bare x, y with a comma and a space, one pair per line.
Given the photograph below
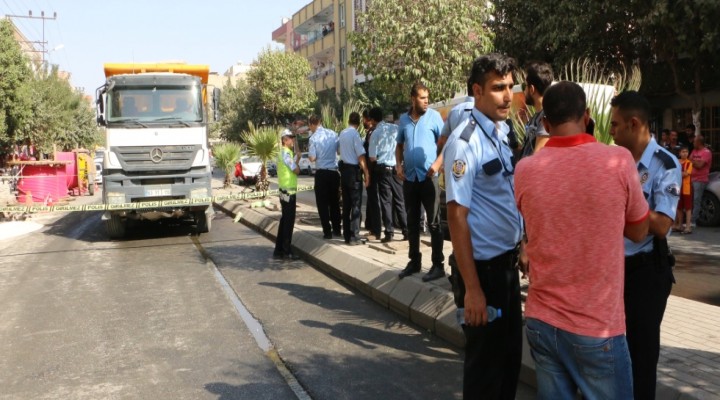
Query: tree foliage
15, 78
279, 86
398, 42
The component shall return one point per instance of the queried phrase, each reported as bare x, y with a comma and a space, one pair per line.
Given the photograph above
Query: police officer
648, 269
382, 155
455, 117
486, 227
288, 169
353, 163
372, 208
323, 151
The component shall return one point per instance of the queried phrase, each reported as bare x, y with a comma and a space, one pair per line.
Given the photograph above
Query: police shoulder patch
458, 168
673, 189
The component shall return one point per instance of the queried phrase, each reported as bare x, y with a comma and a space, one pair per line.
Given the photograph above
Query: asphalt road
151, 317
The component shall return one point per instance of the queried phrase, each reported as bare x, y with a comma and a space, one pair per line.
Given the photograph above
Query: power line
43, 18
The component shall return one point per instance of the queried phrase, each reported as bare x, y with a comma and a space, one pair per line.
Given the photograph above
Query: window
341, 11
343, 58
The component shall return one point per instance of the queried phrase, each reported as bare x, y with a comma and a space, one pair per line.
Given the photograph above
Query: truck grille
153, 158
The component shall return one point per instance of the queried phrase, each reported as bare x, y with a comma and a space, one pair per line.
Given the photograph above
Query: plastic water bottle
493, 314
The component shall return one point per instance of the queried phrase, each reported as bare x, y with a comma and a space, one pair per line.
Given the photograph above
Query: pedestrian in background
415, 154
372, 208
701, 159
353, 168
288, 170
323, 151
577, 340
485, 228
648, 269
683, 220
382, 155
538, 77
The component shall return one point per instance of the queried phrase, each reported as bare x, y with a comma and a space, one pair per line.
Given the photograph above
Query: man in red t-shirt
701, 159
576, 253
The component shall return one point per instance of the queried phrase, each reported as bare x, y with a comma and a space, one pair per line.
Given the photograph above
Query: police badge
458, 169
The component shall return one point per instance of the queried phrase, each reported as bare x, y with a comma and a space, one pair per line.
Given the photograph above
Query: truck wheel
203, 221
115, 227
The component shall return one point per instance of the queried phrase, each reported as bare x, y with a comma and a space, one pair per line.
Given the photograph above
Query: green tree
399, 42
263, 142
279, 88
15, 78
226, 155
235, 110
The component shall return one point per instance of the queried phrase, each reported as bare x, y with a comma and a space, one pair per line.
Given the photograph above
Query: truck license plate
157, 191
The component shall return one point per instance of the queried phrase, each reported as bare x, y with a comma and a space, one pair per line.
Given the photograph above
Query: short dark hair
683, 147
494, 62
469, 87
690, 126
564, 102
313, 120
632, 104
354, 118
417, 87
666, 131
540, 75
375, 114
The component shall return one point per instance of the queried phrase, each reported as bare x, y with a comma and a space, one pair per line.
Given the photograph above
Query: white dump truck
156, 159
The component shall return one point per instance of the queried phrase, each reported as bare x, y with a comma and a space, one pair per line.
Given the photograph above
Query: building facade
319, 33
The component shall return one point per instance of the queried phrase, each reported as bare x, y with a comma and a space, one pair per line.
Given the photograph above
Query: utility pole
43, 18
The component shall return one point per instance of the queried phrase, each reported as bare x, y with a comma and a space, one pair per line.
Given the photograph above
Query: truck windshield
148, 104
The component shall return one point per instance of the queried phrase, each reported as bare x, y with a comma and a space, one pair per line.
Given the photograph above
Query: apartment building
318, 32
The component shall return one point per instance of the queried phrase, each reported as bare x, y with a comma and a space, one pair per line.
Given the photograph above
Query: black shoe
405, 237
410, 269
436, 272
278, 256
337, 234
292, 256
327, 236
387, 239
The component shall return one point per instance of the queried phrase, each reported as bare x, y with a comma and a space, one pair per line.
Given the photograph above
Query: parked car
99, 169
248, 169
271, 168
710, 203
307, 167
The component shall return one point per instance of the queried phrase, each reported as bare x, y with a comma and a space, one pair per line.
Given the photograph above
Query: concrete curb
428, 306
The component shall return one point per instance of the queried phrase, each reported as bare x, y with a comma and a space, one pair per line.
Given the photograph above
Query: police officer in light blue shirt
485, 228
648, 264
352, 170
323, 151
415, 154
382, 152
455, 117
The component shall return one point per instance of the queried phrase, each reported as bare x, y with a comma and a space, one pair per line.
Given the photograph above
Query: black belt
507, 259
640, 259
386, 166
327, 169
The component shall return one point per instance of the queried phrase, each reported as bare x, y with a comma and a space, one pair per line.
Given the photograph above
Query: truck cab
156, 161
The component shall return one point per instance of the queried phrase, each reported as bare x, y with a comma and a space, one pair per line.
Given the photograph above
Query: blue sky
93, 32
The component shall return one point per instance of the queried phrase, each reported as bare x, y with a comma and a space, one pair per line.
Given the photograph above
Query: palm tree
264, 143
226, 155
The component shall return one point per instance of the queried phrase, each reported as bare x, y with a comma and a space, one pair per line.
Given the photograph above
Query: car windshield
146, 104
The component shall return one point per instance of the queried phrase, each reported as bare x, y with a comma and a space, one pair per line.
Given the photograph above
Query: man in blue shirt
648, 269
485, 228
416, 150
352, 170
382, 153
323, 151
455, 117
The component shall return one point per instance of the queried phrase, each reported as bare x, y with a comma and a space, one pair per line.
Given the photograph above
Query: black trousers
372, 209
647, 287
351, 178
493, 353
418, 195
287, 224
392, 199
327, 199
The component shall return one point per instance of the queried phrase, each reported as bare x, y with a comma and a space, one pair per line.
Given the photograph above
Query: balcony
322, 72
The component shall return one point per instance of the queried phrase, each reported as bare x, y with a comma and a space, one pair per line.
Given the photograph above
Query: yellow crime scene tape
145, 204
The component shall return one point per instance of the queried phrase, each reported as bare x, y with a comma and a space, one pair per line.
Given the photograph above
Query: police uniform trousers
647, 288
287, 224
327, 199
493, 353
392, 200
419, 195
372, 209
351, 178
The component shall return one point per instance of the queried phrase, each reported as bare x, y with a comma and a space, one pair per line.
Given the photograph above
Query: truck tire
203, 221
116, 227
